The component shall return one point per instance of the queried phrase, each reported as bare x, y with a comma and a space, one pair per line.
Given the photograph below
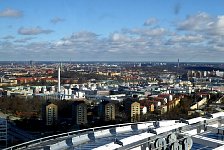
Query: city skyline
100, 30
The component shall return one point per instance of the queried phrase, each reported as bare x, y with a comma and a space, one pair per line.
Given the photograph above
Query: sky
112, 30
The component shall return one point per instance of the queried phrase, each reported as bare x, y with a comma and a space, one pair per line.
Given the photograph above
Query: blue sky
112, 30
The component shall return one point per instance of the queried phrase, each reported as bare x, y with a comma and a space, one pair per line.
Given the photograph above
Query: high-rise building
109, 111
51, 114
135, 112
106, 111
132, 110
79, 113
3, 132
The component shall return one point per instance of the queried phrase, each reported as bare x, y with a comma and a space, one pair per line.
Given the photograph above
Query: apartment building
79, 113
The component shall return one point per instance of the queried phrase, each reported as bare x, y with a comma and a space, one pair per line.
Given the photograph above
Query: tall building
51, 114
79, 113
135, 112
109, 112
132, 110
3, 133
106, 111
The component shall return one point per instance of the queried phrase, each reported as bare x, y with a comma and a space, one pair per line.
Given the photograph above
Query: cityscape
45, 98
111, 75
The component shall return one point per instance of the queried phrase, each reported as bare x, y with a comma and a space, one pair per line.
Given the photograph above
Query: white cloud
9, 12
63, 43
196, 22
79, 41
119, 45
33, 31
83, 36
217, 27
150, 21
203, 23
196, 38
119, 37
187, 38
150, 32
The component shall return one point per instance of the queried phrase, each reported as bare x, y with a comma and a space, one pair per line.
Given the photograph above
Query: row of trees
81, 77
21, 106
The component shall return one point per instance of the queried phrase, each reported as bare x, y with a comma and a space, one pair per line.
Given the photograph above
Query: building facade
132, 110
109, 112
79, 113
51, 114
135, 112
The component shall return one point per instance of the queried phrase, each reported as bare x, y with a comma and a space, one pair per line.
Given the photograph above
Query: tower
59, 79
178, 68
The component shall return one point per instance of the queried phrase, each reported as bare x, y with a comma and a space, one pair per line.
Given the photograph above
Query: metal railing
59, 137
66, 135
148, 141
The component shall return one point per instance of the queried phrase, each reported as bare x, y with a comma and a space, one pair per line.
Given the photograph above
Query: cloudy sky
112, 30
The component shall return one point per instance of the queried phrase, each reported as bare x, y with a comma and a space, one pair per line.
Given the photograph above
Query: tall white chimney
59, 79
